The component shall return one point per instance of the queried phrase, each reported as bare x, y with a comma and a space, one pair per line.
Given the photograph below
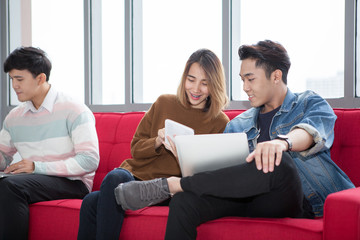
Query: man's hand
23, 166
268, 154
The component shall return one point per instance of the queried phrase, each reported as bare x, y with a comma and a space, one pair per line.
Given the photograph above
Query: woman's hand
171, 147
160, 139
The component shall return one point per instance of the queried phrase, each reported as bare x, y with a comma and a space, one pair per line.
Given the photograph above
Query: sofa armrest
342, 215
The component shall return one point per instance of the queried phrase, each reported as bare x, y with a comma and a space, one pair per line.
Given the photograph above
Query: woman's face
196, 86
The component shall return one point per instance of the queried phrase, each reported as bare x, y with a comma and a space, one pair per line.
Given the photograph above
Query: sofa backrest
115, 132
345, 151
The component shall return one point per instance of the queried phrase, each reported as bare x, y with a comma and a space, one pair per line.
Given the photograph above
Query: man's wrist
33, 167
287, 140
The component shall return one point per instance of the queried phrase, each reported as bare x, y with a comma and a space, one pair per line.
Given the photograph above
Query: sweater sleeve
143, 142
223, 120
85, 142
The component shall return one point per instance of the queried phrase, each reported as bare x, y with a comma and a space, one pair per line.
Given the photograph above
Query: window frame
229, 48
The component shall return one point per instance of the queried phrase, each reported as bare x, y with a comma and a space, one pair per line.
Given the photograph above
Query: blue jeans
100, 216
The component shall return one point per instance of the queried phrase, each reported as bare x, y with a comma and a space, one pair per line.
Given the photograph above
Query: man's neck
281, 94
39, 99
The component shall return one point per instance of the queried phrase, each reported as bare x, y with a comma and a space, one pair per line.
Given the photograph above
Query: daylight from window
169, 31
63, 40
314, 40
172, 31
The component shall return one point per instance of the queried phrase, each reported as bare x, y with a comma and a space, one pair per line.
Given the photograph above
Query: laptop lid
207, 152
3, 175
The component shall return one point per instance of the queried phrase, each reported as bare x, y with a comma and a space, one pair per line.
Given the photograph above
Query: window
166, 33
121, 55
57, 29
313, 36
108, 60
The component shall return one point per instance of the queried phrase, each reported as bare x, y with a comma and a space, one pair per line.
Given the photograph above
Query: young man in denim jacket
289, 171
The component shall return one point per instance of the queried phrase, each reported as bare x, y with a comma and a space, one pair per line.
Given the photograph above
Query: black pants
17, 192
236, 191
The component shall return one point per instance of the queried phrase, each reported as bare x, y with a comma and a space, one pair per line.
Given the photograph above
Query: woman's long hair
214, 71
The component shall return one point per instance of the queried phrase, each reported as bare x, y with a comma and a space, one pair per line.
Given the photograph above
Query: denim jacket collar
251, 122
289, 101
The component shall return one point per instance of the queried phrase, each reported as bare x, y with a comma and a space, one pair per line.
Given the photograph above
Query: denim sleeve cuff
318, 140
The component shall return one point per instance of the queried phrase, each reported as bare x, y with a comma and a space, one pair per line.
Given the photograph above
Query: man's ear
41, 78
277, 75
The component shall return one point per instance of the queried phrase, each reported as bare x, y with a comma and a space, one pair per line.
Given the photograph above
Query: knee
10, 191
90, 201
7, 185
115, 177
287, 171
287, 163
88, 209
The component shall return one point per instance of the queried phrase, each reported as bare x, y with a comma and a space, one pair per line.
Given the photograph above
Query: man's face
24, 84
256, 85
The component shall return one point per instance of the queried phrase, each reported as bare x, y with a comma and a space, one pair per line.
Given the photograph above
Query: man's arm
268, 154
85, 147
313, 133
300, 139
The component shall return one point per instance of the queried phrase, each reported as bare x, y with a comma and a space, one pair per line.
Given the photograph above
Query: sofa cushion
224, 228
57, 219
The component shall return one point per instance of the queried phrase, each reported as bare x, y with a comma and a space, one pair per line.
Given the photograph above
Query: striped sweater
59, 137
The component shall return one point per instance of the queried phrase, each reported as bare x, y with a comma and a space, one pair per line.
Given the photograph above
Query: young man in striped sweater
55, 137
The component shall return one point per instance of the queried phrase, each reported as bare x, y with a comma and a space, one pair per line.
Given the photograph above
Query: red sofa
60, 219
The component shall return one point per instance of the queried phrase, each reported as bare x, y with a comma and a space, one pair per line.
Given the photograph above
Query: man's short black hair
268, 55
28, 58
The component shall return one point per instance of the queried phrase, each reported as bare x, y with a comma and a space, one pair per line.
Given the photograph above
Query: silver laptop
207, 152
3, 175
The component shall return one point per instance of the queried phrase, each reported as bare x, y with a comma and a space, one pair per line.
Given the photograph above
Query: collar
289, 101
47, 104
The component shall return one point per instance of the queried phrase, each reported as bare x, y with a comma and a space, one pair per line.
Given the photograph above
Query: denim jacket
320, 176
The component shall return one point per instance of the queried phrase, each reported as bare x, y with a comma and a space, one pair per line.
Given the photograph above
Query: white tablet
173, 128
